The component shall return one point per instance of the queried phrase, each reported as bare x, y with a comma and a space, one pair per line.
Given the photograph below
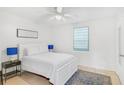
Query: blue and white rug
88, 78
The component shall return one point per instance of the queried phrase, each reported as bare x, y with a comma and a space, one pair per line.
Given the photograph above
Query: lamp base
50, 50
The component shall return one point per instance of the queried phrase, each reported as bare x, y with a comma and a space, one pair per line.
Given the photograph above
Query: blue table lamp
50, 47
11, 52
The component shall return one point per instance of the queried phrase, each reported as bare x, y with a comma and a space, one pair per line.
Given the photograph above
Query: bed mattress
46, 63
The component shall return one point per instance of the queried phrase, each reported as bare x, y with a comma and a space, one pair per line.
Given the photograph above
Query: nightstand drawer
9, 65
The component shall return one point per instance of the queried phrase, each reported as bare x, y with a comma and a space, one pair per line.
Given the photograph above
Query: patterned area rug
88, 78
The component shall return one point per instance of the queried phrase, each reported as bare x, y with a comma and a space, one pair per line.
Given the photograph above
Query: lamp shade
12, 51
50, 46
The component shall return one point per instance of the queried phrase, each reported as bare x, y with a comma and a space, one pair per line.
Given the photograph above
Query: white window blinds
81, 39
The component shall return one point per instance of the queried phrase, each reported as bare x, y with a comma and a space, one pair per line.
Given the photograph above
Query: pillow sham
43, 49
32, 51
36, 50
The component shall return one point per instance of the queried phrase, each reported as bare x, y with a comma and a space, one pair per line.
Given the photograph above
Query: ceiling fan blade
70, 16
67, 15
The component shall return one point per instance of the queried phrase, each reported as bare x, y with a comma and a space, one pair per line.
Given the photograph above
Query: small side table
11, 64
1, 77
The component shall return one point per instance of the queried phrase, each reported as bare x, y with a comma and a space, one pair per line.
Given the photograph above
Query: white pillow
32, 51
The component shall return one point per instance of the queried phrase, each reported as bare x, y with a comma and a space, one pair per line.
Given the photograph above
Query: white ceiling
41, 14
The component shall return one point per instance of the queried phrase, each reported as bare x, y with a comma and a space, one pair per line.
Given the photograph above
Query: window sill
81, 52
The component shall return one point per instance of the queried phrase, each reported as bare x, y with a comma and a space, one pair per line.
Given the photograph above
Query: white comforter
46, 63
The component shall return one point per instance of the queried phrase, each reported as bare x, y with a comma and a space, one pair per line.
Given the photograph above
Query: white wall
8, 25
102, 52
120, 48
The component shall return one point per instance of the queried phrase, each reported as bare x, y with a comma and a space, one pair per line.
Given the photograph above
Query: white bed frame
62, 74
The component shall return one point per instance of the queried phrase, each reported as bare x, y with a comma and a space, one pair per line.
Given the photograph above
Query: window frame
81, 50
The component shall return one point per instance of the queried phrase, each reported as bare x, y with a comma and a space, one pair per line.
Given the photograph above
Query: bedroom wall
120, 60
8, 25
102, 42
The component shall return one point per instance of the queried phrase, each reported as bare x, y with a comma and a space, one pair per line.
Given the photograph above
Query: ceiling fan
59, 14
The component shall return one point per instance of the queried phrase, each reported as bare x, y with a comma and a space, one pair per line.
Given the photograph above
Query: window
81, 39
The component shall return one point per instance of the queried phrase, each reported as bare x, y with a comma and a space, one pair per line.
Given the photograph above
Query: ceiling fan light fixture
58, 17
59, 14
59, 9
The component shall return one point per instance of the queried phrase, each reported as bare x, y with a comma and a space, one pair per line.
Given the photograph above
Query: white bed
58, 67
